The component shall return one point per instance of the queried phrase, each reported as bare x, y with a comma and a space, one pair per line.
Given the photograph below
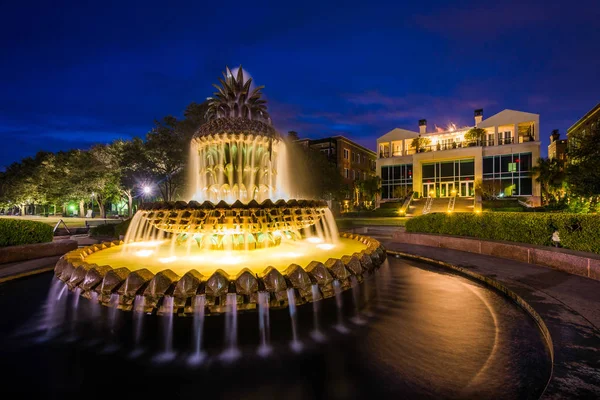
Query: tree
164, 156
369, 188
583, 170
194, 117
476, 135
234, 99
420, 143
292, 136
548, 172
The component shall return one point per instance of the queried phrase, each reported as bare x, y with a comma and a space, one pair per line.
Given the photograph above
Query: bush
111, 230
576, 231
14, 232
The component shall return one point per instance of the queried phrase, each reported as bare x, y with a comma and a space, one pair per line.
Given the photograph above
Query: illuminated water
160, 255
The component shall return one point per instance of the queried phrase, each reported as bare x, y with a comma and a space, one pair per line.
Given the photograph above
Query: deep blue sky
76, 73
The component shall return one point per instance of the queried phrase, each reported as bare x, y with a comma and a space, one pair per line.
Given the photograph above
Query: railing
428, 205
449, 146
60, 221
451, 203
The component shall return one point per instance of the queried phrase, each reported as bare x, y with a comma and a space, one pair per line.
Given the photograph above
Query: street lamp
147, 190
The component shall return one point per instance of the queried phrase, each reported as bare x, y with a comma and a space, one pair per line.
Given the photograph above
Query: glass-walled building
445, 163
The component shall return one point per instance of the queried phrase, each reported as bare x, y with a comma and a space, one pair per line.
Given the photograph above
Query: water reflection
428, 334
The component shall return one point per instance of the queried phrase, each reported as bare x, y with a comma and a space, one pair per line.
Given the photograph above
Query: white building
446, 164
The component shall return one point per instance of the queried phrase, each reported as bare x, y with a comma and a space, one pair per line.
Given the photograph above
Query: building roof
339, 137
503, 117
507, 117
584, 118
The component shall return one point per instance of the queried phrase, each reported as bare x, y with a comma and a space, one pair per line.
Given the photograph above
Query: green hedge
14, 232
111, 230
576, 231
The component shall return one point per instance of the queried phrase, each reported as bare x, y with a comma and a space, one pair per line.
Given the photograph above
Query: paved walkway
568, 304
19, 269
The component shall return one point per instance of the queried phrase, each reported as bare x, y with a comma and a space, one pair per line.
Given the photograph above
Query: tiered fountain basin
108, 274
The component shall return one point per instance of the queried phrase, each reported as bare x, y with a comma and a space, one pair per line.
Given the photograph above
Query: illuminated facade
446, 164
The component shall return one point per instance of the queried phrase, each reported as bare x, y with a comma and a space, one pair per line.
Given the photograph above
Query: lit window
512, 167
346, 154
346, 173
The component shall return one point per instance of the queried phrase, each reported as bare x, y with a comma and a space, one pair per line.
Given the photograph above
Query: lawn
375, 221
71, 222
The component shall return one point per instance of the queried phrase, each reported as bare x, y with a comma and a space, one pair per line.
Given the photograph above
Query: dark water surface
428, 334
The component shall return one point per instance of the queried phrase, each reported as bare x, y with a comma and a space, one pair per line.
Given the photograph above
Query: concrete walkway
568, 304
20, 269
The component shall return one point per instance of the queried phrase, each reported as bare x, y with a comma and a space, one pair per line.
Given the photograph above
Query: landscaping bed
579, 232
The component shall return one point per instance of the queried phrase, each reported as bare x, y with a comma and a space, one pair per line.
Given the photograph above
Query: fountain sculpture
232, 247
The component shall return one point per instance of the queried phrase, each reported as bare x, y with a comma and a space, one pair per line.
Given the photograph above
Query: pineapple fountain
239, 244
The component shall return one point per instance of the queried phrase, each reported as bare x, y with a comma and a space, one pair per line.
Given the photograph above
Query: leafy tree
475, 134
420, 143
549, 173
583, 170
369, 188
164, 156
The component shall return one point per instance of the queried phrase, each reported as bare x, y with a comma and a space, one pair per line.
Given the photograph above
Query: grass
72, 222
375, 221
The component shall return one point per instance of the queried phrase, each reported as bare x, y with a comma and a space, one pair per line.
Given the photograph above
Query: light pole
146, 190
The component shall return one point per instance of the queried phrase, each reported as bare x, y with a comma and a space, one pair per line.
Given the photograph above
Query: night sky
77, 73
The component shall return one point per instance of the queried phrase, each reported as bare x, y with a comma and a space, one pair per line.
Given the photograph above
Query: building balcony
452, 146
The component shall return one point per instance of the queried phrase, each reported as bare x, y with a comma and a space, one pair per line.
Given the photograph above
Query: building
588, 123
353, 161
558, 147
446, 164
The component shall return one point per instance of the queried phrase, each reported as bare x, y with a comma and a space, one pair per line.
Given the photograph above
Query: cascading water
296, 345
232, 352
339, 302
357, 318
167, 326
316, 334
263, 324
197, 355
138, 321
55, 308
74, 314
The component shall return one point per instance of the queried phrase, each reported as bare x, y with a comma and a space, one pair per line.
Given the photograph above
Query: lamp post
146, 191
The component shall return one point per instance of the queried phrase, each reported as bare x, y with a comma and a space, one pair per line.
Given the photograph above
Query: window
508, 175
396, 181
346, 155
364, 176
353, 174
346, 173
488, 165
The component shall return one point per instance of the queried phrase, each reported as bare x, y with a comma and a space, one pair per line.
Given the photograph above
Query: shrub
576, 231
111, 230
14, 232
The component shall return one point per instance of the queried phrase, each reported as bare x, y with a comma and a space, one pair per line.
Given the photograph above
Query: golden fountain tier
237, 226
120, 286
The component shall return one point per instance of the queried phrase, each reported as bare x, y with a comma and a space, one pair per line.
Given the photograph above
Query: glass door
466, 189
447, 189
429, 190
